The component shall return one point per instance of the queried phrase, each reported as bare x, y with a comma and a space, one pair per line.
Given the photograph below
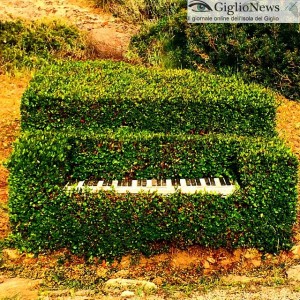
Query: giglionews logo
199, 6
243, 11
230, 7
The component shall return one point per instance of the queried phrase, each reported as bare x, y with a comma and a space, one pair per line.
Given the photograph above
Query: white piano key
100, 183
134, 183
203, 183
149, 183
218, 183
115, 183
80, 185
182, 182
168, 182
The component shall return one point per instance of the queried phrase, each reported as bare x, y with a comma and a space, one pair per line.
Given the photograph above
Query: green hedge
98, 95
268, 54
260, 214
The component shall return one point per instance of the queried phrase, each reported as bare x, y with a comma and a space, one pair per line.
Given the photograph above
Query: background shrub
260, 214
34, 44
139, 10
98, 95
264, 53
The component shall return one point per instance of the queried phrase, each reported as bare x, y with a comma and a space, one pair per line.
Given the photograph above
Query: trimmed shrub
264, 53
43, 216
97, 95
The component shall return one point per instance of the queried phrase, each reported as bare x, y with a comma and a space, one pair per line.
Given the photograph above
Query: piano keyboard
162, 186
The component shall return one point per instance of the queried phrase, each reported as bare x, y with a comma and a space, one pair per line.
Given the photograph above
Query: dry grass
288, 123
288, 126
11, 90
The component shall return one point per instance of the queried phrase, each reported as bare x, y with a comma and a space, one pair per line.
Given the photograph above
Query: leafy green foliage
43, 216
97, 95
264, 53
34, 44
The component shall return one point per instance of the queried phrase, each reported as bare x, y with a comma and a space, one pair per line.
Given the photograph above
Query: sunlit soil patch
288, 123
11, 90
288, 126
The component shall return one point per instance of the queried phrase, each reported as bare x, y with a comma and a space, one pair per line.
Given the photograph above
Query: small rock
239, 279
121, 274
101, 272
225, 262
19, 288
206, 265
158, 280
129, 284
294, 273
256, 262
252, 253
60, 293
237, 254
83, 293
211, 260
11, 254
127, 294
296, 251
125, 262
178, 295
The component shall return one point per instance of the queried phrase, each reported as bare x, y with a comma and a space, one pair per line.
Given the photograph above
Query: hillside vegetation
28, 45
264, 53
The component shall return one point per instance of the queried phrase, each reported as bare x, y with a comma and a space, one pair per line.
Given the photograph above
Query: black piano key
154, 182
188, 182
129, 182
207, 181
139, 182
193, 182
227, 181
222, 181
144, 182
91, 183
198, 182
212, 181
175, 182
163, 182
107, 182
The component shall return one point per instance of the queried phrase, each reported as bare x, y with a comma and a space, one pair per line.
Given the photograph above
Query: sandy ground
109, 36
